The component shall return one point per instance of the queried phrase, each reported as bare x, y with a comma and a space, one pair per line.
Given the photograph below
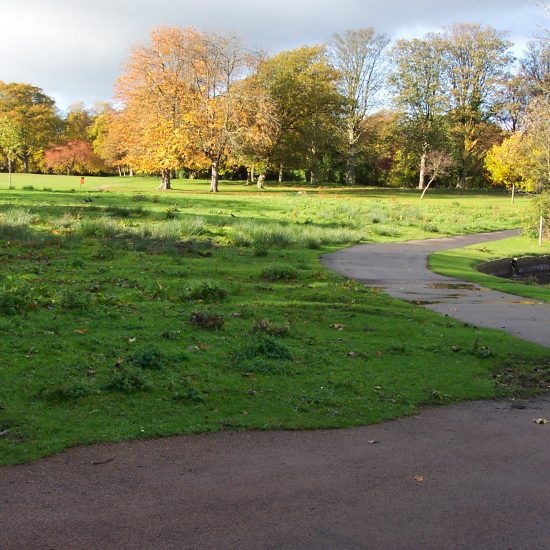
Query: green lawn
134, 313
461, 262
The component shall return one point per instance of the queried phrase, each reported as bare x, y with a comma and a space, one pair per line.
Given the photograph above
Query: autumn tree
34, 113
476, 59
179, 101
11, 142
417, 80
74, 156
358, 56
537, 139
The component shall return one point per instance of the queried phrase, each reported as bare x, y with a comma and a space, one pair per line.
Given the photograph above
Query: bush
204, 290
279, 273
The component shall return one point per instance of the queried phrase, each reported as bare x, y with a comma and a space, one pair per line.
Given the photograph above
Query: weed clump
207, 291
267, 327
127, 380
207, 321
266, 347
148, 358
279, 273
67, 391
15, 297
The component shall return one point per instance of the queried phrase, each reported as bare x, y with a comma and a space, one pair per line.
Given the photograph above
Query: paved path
401, 270
485, 484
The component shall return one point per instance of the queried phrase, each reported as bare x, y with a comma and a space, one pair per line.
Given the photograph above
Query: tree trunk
119, 172
513, 192
281, 173
131, 171
427, 187
422, 176
25, 159
312, 178
261, 181
215, 175
252, 174
9, 172
248, 176
350, 176
165, 182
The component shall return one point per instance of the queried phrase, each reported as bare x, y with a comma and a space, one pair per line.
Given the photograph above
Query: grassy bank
461, 262
138, 314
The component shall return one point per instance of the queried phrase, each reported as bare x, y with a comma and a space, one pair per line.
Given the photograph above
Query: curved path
401, 270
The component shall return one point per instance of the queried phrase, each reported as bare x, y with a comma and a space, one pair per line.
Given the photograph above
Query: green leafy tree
300, 105
359, 58
477, 59
36, 116
11, 142
417, 80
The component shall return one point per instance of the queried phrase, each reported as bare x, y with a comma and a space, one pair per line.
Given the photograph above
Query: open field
136, 313
461, 262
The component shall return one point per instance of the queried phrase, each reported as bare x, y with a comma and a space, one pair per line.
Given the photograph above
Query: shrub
204, 290
279, 273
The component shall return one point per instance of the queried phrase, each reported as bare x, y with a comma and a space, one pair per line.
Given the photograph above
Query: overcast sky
73, 49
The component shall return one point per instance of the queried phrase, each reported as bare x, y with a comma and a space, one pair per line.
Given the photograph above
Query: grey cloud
74, 50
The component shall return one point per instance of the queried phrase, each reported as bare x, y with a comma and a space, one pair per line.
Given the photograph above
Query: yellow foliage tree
508, 164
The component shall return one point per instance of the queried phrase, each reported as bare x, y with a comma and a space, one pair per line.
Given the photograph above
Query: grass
119, 322
461, 262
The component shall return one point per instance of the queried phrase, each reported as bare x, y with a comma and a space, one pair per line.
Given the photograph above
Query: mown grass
126, 315
461, 264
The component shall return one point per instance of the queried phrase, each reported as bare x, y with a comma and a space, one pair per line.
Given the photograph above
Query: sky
74, 49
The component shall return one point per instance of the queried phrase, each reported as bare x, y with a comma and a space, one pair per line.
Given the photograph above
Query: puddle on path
455, 286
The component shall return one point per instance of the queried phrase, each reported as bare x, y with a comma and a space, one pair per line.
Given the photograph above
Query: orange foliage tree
179, 103
74, 156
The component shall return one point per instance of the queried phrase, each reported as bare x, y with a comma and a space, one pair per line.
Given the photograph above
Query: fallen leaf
379, 354
245, 413
338, 326
540, 421
80, 330
419, 479
352, 354
372, 442
131, 340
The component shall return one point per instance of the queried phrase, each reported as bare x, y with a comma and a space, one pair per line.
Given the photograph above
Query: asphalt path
401, 270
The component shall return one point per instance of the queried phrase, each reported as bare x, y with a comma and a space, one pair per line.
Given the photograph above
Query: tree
77, 123
438, 164
418, 82
358, 56
11, 142
476, 60
537, 139
74, 156
179, 101
34, 113
508, 164
298, 103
